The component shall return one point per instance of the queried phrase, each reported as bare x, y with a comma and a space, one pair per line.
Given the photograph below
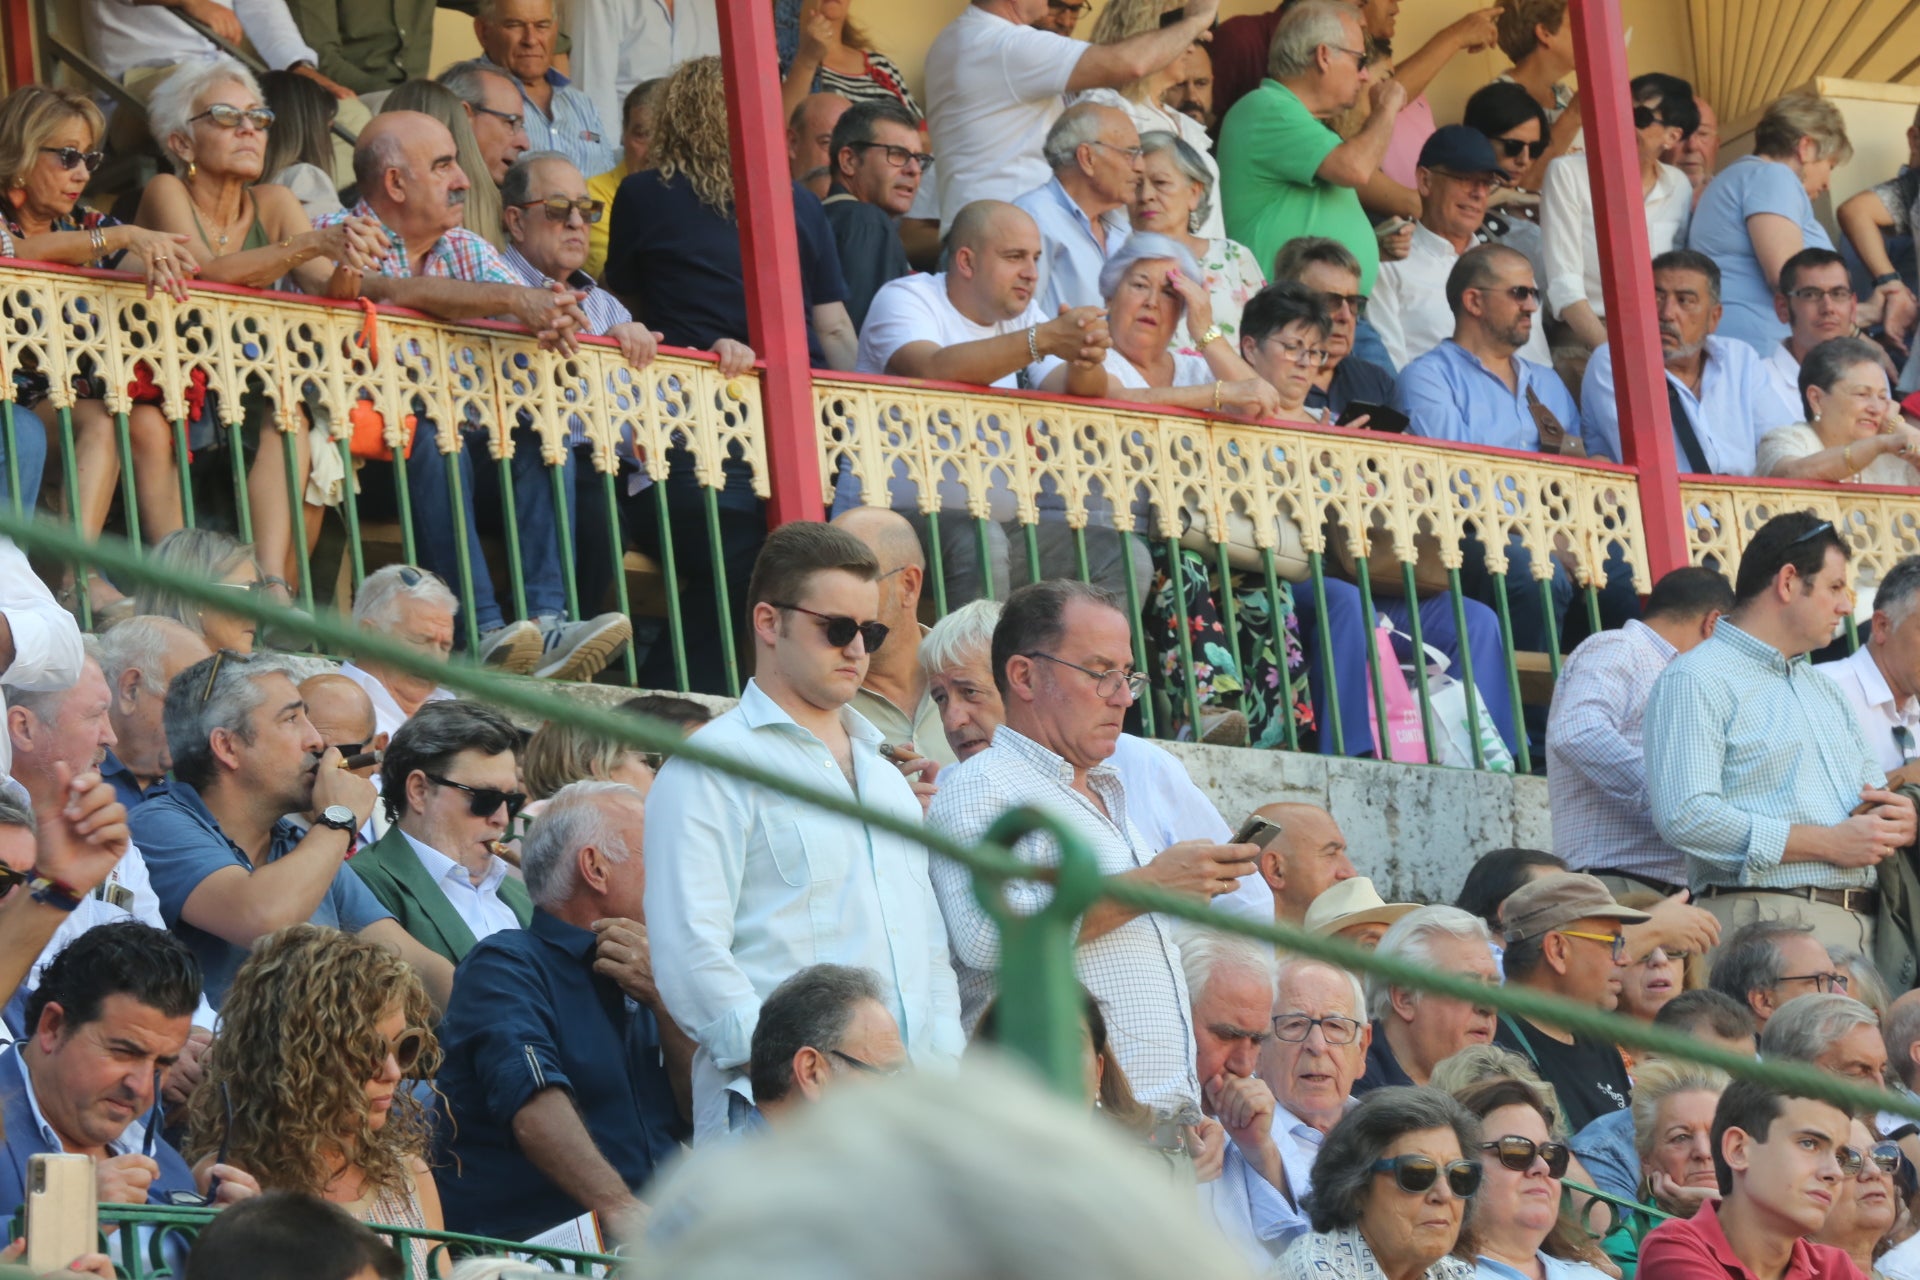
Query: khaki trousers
1833, 926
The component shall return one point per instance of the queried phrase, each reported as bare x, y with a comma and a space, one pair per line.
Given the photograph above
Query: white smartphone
63, 1217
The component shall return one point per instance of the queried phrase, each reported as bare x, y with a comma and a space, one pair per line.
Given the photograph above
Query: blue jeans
541, 564
30, 433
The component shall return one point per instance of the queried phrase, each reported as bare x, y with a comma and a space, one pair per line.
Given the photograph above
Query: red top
1696, 1249
1239, 51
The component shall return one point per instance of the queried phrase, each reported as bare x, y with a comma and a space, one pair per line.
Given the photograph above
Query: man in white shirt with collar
745, 886
1318, 1049
1881, 681
1094, 152
1458, 171
619, 43
451, 789
416, 608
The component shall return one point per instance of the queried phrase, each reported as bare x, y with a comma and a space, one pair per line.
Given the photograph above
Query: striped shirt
457, 255
1134, 971
1742, 743
602, 309
572, 126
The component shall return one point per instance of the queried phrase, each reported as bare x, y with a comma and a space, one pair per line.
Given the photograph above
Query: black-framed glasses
1300, 353
1294, 1028
1066, 6
862, 1065
507, 118
484, 802
348, 750
1839, 295
68, 157
1518, 1154
1354, 302
559, 208
1646, 117
1617, 941
1903, 739
1832, 982
841, 629
230, 117
1416, 1174
1105, 683
897, 157
1514, 148
11, 879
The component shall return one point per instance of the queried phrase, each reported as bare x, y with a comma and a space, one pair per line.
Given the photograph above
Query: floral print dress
1232, 276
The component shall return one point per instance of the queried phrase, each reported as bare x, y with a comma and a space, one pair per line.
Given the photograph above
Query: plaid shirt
457, 255
1742, 743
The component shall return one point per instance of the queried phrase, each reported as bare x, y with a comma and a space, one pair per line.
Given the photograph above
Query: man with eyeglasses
1564, 936
1815, 300
1767, 963
1061, 16
878, 158
1316, 1052
1094, 152
754, 885
518, 37
227, 864
1756, 766
494, 109
1719, 394
825, 1026
1329, 269
1458, 171
1779, 1158
1063, 664
1881, 680
452, 792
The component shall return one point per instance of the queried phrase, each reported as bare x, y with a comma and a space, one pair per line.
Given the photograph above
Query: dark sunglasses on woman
1518, 1154
68, 157
1514, 148
1416, 1174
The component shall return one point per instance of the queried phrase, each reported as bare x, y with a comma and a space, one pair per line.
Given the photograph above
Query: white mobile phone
63, 1218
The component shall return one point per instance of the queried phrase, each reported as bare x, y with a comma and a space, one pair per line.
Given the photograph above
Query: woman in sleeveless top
822, 51
311, 1085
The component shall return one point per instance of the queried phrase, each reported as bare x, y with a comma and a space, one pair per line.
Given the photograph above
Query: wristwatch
341, 818
1886, 278
57, 894
1210, 337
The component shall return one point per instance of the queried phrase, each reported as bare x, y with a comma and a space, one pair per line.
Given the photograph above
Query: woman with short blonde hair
559, 754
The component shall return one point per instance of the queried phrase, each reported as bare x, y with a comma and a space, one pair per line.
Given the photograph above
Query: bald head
339, 708
903, 573
1307, 859
984, 223
408, 169
886, 533
810, 132
994, 250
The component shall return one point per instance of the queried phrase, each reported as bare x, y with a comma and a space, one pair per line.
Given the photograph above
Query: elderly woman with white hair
1177, 199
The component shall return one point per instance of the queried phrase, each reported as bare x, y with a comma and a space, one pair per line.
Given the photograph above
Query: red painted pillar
1633, 330
770, 254
16, 28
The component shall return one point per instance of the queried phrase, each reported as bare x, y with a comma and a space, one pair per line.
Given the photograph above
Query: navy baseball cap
1460, 148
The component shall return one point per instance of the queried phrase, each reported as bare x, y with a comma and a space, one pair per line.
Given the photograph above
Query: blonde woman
207, 555
559, 754
823, 51
310, 1085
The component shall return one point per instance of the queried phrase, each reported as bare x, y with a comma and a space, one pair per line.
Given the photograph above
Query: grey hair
1297, 40
1867, 986
496, 1268
170, 108
1898, 591
374, 156
1077, 126
572, 820
46, 704
1479, 1062
1750, 960
1147, 246
1411, 940
133, 644
1206, 953
1659, 1079
810, 1009
960, 637
1298, 964
14, 812
464, 80
1343, 1171
204, 554
1187, 161
1831, 361
517, 187
1901, 1030
1805, 1028
377, 604
191, 719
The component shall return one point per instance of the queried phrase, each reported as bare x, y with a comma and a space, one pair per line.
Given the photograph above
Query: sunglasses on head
559, 208
1646, 118
484, 802
1518, 1154
1514, 148
1417, 1174
230, 117
68, 157
841, 629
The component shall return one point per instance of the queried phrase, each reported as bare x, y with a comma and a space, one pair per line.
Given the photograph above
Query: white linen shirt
122, 35
745, 887
1783, 370
1571, 245
1134, 971
1299, 1145
1070, 258
478, 905
1167, 808
1409, 307
1249, 1211
619, 43
387, 715
46, 640
1881, 716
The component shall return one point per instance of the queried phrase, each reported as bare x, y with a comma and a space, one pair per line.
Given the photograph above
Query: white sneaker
515, 647
581, 650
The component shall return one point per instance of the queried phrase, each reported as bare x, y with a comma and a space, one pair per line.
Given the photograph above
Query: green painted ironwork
1277, 624
1317, 570
983, 547
1383, 732
1593, 609
463, 557
129, 487
1471, 690
1080, 562
1525, 754
1410, 585
1553, 626
937, 568
14, 496
563, 529
182, 465
1030, 535
670, 572
71, 465
296, 525
403, 502
723, 605
510, 527
1190, 684
618, 549
356, 553
237, 463
1133, 615
1229, 624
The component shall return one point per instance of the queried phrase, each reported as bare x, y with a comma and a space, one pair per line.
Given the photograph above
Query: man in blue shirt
566, 1076
228, 866
518, 35
140, 657
1094, 152
1722, 397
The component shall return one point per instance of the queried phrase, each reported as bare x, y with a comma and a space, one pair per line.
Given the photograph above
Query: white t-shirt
915, 309
994, 88
1188, 371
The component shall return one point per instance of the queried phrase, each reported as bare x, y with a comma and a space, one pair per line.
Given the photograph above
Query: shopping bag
1453, 735
1404, 735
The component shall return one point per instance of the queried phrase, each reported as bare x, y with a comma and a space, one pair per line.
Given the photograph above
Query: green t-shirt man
1271, 150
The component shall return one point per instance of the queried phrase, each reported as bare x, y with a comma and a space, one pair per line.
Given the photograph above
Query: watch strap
1890, 277
57, 894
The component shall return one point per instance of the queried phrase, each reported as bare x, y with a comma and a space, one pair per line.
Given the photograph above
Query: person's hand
79, 843
620, 952
1207, 1146
1077, 335
162, 259
736, 358
234, 1183
333, 785
1250, 398
1677, 925
332, 86
626, 1223
1199, 303
1387, 95
355, 243
124, 1179
1476, 31
184, 1076
1893, 808
1899, 310
918, 771
1245, 1106
817, 34
223, 20
552, 315
1202, 867
638, 343
87, 1264
1866, 839
1683, 1200
1900, 439
1394, 245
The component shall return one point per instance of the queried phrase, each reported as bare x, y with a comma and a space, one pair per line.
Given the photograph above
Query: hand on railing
1076, 334
124, 1179
736, 358
1250, 397
355, 243
553, 316
638, 343
162, 257
87, 1264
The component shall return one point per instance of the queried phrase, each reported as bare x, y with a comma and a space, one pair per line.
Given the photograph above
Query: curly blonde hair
297, 1045
690, 133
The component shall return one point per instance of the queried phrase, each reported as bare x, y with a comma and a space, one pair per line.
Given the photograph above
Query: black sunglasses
841, 629
9, 878
68, 157
559, 208
484, 802
190, 1199
1645, 118
1416, 1174
1514, 148
1518, 1154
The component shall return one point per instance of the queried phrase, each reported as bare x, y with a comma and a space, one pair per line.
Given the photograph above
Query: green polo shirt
1271, 149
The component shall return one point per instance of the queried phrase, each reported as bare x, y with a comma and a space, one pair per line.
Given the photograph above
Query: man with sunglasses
878, 158
1779, 1158
1061, 16
1756, 766
752, 886
1565, 937
112, 1016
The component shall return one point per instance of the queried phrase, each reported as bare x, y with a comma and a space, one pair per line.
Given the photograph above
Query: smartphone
1256, 830
1393, 226
63, 1219
1379, 417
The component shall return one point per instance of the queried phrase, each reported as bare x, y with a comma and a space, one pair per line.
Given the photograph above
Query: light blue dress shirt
1750, 185
573, 128
745, 887
1449, 395
1070, 258
1738, 403
1743, 743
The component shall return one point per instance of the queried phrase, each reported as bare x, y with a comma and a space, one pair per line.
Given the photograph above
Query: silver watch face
338, 815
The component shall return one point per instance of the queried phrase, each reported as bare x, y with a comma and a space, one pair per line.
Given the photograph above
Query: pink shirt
1411, 129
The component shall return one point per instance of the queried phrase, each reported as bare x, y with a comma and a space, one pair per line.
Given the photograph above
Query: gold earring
192, 169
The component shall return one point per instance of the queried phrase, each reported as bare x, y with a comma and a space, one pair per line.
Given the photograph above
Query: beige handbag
1289, 551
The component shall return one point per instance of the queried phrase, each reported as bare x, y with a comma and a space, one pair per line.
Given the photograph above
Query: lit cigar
360, 761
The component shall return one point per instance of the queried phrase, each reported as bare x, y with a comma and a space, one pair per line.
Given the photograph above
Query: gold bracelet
1217, 384
1846, 458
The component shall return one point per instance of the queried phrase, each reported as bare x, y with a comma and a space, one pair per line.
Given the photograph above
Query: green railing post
936, 567
510, 527
14, 496
1467, 686
1190, 683
563, 527
129, 486
242, 500
71, 465
619, 550
463, 559
296, 521
1316, 567
350, 509
183, 463
723, 603
1411, 585
676, 634
983, 545
1133, 624
1030, 535
1383, 740
1277, 623
1525, 754
1230, 623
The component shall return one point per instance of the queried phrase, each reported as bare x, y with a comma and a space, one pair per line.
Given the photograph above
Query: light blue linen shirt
1738, 403
1070, 258
1743, 743
573, 127
1551, 1268
1750, 185
1449, 395
745, 887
